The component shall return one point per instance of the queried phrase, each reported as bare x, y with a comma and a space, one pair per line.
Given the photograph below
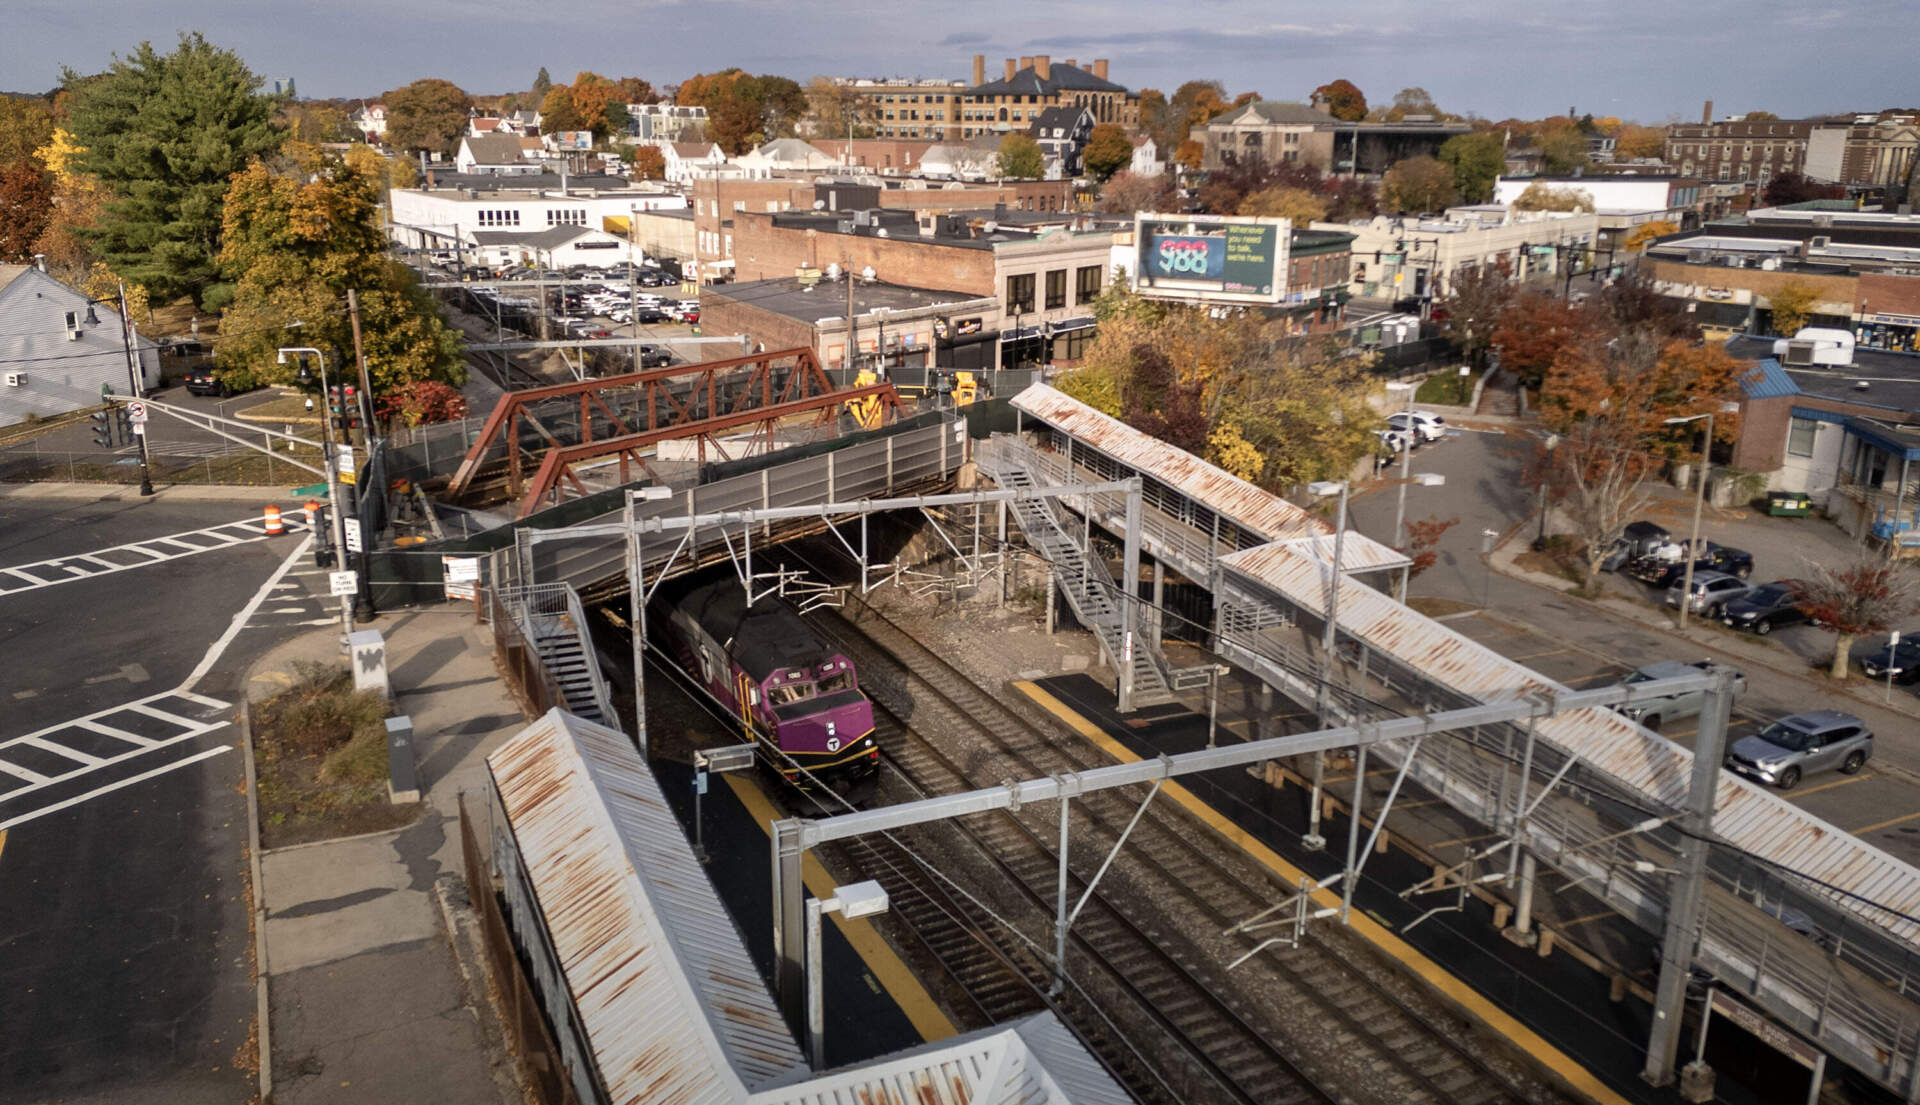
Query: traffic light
123, 419
102, 428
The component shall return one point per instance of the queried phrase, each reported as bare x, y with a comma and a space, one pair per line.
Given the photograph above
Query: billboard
1211, 258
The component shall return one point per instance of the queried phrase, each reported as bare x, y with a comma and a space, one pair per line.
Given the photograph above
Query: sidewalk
162, 492
375, 984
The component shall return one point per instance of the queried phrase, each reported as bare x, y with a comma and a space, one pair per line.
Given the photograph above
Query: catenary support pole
788, 909
1686, 899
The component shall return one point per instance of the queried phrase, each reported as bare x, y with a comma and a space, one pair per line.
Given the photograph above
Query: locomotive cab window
841, 680
789, 693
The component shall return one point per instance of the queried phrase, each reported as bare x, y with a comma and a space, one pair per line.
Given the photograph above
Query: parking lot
1877, 805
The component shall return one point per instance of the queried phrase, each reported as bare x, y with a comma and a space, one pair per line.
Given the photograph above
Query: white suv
1426, 425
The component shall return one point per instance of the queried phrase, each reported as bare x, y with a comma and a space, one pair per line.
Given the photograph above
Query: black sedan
1765, 608
1902, 661
1734, 562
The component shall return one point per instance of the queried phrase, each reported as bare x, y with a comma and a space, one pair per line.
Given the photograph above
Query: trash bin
1788, 504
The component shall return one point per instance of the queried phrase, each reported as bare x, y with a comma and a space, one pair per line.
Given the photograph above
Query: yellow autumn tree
78, 200
1792, 304
1647, 232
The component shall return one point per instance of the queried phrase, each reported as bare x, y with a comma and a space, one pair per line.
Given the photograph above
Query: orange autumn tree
1609, 401
1534, 328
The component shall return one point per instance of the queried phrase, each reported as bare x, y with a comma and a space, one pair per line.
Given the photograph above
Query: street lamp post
333, 480
1546, 477
1406, 463
1699, 500
862, 899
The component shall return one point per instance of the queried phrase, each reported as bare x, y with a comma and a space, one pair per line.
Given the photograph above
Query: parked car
652, 356
1711, 591
1426, 425
1392, 442
649, 316
1797, 746
1902, 661
1655, 712
200, 380
1765, 608
1637, 539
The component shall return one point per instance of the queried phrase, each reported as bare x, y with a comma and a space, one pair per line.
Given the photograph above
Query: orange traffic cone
274, 528
313, 515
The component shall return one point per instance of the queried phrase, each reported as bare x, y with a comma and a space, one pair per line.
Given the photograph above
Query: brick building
1868, 152
718, 202
900, 108
895, 327
1754, 151
1037, 83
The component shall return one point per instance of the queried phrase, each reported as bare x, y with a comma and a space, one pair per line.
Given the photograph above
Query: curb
264, 1035
118, 492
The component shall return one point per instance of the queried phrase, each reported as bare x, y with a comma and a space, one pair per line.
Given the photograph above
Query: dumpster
1788, 504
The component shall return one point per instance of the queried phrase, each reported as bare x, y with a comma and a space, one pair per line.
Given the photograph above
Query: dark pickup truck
1664, 572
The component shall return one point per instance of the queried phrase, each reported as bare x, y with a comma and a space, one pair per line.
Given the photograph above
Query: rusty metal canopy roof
1261, 512
1747, 816
672, 1006
1035, 1061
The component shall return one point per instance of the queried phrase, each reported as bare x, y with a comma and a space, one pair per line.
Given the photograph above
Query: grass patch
1560, 556
1446, 389
321, 752
287, 408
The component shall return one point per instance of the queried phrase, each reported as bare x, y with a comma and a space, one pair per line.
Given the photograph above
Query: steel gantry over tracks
636, 403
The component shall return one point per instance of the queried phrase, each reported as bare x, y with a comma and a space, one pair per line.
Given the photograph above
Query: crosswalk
99, 748
139, 554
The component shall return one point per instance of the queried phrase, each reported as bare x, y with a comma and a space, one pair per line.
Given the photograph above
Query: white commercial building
450, 216
1399, 257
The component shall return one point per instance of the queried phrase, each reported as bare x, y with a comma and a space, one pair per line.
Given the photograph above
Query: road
1580, 644
125, 947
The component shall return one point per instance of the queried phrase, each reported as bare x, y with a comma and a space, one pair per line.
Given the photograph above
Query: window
567, 217
1800, 434
1020, 292
1087, 284
1056, 289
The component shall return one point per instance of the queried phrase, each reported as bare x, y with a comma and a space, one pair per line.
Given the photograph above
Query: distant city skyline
1635, 59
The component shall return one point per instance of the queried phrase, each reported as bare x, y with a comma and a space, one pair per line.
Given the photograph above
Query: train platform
1573, 999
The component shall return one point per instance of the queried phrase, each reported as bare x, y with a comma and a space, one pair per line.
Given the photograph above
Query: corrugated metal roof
673, 1007
1358, 552
1261, 512
1746, 816
1768, 381
1034, 1061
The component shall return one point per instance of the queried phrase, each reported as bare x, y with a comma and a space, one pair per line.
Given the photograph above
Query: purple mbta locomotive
787, 687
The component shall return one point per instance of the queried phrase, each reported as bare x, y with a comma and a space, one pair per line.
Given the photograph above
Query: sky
1647, 60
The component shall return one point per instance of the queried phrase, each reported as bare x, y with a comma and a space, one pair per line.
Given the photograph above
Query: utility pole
846, 273
139, 392
363, 610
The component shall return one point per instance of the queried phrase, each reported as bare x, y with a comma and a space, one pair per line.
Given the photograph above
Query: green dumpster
1788, 504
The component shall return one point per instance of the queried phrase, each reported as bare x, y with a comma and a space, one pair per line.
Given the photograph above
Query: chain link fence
41, 460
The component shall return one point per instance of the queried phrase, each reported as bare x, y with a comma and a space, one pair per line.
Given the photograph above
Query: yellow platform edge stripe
888, 968
1572, 1073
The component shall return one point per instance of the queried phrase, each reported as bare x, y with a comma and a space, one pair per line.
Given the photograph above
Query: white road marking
240, 619
155, 549
86, 763
113, 786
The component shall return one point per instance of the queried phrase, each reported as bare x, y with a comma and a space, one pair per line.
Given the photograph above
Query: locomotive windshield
789, 693
841, 680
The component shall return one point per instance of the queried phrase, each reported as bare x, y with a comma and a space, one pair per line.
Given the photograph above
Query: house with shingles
686, 160
1062, 133
57, 351
492, 153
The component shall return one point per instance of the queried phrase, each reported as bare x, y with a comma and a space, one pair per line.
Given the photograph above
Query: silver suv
1797, 746
1655, 712
1711, 591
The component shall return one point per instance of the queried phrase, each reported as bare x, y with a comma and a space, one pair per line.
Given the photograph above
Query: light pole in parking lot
1699, 500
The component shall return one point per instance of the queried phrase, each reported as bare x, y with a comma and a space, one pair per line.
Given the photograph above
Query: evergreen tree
541, 83
163, 133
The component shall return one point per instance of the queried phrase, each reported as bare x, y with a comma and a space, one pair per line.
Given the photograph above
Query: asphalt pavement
125, 950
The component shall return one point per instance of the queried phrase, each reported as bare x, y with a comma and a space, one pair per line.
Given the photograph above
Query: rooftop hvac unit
1819, 241
1698, 256
1798, 353
16, 379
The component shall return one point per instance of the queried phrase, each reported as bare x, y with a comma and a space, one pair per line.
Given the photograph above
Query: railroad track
1328, 985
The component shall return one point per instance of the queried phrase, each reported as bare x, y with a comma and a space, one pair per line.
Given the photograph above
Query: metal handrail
560, 600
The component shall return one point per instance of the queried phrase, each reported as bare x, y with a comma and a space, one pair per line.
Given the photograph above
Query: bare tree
1598, 475
1860, 598
1476, 298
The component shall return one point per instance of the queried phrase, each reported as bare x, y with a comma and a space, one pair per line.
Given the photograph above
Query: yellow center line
1883, 824
3, 840
1582, 1080
921, 1010
1861, 778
